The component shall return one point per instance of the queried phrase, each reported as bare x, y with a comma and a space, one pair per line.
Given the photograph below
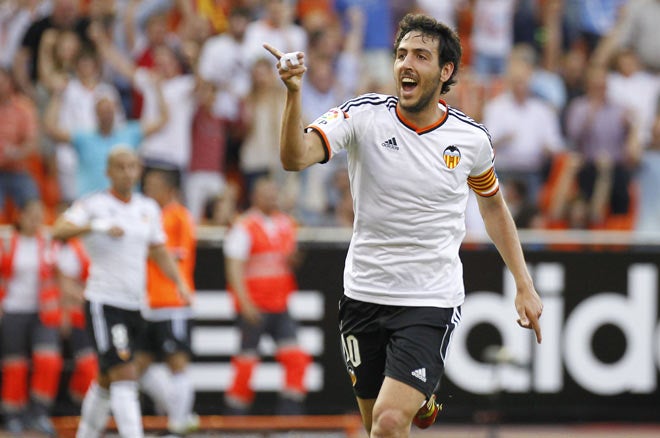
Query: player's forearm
292, 144
502, 231
166, 263
64, 230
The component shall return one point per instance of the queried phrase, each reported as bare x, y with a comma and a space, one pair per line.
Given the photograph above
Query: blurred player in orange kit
167, 333
259, 249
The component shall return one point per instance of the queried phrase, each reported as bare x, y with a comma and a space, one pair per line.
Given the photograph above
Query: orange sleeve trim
324, 140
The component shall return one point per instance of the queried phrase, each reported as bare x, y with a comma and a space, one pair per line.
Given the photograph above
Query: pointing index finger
276, 53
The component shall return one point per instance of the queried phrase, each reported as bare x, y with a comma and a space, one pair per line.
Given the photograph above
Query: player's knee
177, 362
124, 371
389, 421
142, 361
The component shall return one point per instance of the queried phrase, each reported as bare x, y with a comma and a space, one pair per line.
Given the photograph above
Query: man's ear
446, 71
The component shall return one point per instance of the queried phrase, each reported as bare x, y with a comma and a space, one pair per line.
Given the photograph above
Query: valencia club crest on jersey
451, 155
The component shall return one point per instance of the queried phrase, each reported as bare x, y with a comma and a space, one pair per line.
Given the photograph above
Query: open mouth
408, 84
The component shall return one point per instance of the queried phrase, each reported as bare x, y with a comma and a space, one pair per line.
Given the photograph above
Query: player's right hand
250, 313
290, 66
115, 231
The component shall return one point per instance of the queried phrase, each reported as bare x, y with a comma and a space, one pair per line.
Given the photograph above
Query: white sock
94, 412
156, 383
126, 408
182, 397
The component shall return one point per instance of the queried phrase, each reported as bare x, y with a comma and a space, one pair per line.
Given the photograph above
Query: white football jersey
117, 274
410, 187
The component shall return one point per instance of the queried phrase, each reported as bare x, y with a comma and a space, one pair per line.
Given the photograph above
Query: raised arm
47, 72
151, 126
298, 150
110, 54
502, 231
51, 119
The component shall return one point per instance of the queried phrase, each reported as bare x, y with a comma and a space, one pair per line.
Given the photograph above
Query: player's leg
366, 406
395, 407
114, 331
86, 366
239, 396
176, 343
181, 419
364, 345
95, 409
155, 383
416, 352
45, 379
15, 369
293, 359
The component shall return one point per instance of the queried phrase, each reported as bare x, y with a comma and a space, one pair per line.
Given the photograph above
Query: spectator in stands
225, 63
15, 18
524, 129
93, 146
223, 209
30, 322
524, 212
205, 177
573, 66
58, 52
636, 89
65, 15
142, 46
18, 142
649, 181
275, 26
77, 112
259, 154
445, 11
639, 32
492, 37
259, 250
602, 133
377, 41
597, 18
170, 145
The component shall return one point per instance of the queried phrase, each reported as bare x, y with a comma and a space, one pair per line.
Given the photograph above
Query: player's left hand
185, 294
529, 308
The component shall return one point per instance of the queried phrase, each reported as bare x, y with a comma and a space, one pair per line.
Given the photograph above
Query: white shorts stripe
99, 326
179, 328
455, 319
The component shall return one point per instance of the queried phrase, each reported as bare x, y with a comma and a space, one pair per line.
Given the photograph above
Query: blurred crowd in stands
569, 90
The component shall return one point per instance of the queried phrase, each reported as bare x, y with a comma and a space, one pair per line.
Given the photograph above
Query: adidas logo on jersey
390, 144
420, 374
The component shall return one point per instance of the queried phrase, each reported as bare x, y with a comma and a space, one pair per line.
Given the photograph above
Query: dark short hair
171, 175
449, 48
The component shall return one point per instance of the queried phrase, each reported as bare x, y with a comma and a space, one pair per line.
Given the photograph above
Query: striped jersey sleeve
485, 184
